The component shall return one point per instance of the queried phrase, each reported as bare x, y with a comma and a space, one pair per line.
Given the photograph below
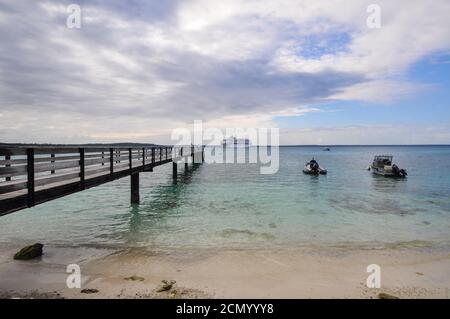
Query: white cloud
379, 91
367, 135
136, 73
410, 30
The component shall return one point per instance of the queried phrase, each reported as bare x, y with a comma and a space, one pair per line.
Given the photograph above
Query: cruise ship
234, 141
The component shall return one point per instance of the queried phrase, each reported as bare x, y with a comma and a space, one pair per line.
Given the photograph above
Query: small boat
382, 165
313, 168
326, 149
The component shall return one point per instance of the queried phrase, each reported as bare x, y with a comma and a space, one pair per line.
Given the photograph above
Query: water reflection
314, 189
136, 219
148, 220
186, 177
387, 184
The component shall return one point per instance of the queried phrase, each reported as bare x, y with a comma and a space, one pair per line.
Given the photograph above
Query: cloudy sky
136, 70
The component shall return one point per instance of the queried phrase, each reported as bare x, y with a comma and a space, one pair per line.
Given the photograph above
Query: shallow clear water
234, 206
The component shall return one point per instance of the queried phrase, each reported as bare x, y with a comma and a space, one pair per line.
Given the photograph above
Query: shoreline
290, 273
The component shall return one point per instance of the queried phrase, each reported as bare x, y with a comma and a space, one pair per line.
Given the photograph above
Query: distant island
125, 144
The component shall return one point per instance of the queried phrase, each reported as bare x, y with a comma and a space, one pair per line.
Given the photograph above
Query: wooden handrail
33, 175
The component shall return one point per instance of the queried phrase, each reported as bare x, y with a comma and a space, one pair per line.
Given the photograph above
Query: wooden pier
33, 175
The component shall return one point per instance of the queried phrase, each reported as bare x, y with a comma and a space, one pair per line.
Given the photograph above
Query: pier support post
7, 157
153, 160
174, 170
82, 169
135, 188
30, 179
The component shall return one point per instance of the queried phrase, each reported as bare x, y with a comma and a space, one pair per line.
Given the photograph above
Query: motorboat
313, 168
327, 149
382, 165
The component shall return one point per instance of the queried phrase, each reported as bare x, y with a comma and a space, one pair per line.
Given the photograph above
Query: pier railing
33, 175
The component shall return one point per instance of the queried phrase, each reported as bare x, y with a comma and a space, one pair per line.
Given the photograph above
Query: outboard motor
398, 172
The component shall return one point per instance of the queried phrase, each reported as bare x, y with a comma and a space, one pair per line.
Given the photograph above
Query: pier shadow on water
148, 220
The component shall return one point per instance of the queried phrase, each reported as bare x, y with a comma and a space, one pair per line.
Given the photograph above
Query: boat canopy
381, 160
383, 157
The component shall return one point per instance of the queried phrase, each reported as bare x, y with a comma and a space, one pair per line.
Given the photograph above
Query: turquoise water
234, 206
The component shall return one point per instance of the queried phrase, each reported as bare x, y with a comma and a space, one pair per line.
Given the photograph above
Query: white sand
294, 273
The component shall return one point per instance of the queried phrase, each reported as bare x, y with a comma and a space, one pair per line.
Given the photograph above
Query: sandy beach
291, 273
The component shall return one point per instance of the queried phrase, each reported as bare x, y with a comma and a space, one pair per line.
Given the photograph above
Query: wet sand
290, 273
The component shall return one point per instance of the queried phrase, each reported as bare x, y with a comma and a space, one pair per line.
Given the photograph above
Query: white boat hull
308, 170
382, 172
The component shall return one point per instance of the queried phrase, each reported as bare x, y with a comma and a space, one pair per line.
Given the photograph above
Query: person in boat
313, 164
312, 167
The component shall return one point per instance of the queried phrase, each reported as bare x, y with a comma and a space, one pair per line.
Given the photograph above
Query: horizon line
156, 144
